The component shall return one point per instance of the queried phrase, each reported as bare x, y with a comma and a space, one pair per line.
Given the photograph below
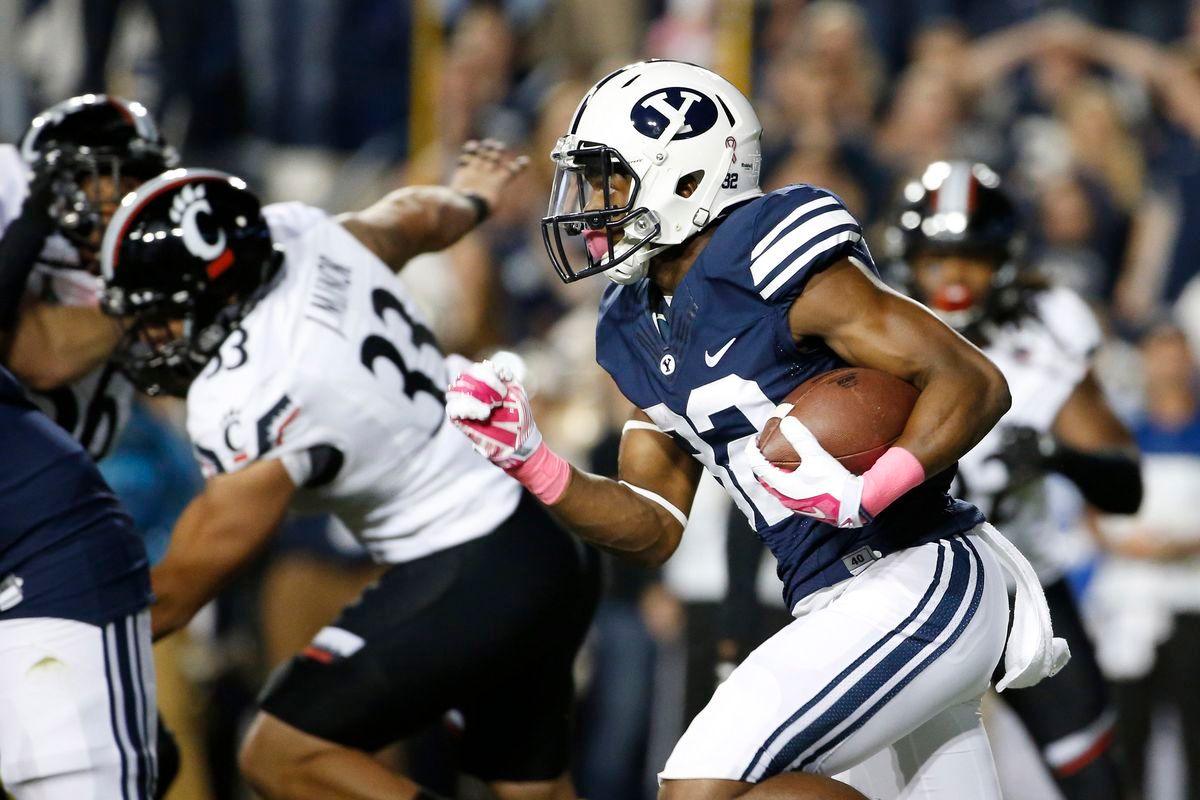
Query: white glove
489, 405
820, 487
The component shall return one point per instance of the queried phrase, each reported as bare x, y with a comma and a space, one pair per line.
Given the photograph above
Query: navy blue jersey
67, 547
710, 365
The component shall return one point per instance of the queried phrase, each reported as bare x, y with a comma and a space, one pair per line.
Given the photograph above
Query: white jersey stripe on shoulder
800, 263
789, 220
797, 239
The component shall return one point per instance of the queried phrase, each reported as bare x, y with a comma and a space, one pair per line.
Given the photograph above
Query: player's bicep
870, 325
651, 462
1087, 422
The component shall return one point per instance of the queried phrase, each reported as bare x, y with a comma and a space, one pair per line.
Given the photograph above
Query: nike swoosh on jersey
712, 360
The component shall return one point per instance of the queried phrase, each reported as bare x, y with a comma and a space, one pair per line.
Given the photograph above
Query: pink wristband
893, 474
545, 474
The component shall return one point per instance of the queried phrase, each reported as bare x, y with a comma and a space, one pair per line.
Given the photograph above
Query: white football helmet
662, 126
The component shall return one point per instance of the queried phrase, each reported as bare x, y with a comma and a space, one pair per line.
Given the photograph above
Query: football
855, 413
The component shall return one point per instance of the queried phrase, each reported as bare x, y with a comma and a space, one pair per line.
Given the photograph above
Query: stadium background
1091, 111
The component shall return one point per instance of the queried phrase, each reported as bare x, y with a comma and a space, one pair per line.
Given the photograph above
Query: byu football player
724, 300
960, 238
313, 383
58, 189
77, 707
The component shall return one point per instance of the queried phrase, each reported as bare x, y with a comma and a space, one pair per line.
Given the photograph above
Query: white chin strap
629, 271
634, 268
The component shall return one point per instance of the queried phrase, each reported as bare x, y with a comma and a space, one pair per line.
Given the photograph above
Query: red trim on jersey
1087, 756
290, 418
220, 264
317, 654
972, 191
240, 457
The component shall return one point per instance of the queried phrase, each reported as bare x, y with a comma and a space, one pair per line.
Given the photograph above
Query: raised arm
425, 219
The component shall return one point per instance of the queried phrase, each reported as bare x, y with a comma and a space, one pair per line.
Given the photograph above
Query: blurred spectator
1145, 598
1079, 237
1102, 144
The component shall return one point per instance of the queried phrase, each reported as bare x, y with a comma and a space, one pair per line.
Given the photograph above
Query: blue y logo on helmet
659, 111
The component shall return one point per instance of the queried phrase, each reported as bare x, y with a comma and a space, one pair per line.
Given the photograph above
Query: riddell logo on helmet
685, 111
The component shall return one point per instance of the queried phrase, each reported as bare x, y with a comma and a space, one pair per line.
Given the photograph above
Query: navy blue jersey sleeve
798, 232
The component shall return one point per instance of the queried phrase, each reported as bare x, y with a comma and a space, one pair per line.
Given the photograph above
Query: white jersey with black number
1043, 356
95, 408
335, 373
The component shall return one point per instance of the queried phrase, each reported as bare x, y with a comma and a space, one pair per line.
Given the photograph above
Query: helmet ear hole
688, 184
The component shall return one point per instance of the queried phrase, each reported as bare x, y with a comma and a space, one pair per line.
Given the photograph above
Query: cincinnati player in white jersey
726, 299
960, 238
313, 384
58, 189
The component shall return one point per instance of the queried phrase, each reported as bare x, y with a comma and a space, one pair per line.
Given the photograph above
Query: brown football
855, 413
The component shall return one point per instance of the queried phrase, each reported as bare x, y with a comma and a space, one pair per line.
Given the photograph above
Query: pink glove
820, 487
489, 405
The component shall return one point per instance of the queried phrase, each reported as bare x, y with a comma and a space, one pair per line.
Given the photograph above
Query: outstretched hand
484, 169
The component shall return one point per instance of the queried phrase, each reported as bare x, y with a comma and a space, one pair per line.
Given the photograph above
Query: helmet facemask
87, 181
586, 229
168, 341
158, 351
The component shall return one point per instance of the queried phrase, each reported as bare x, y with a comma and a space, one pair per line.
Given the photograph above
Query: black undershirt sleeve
1109, 480
19, 248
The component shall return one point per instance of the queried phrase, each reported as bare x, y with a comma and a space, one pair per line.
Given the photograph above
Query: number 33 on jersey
335, 373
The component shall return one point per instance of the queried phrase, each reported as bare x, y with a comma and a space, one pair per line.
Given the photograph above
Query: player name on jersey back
335, 373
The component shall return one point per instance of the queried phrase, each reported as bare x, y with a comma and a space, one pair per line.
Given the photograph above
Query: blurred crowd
1090, 110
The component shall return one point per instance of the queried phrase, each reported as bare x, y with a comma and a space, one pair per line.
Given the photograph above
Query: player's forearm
196, 564
959, 403
216, 535
56, 345
614, 517
411, 221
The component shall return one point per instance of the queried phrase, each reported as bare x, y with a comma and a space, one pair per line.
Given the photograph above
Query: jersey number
101, 409
236, 341
376, 346
731, 394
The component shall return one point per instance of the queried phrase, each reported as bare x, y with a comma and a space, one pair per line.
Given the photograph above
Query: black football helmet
93, 135
958, 208
184, 259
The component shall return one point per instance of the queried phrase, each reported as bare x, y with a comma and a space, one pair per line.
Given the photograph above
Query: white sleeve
14, 184
1071, 321
275, 422
292, 220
